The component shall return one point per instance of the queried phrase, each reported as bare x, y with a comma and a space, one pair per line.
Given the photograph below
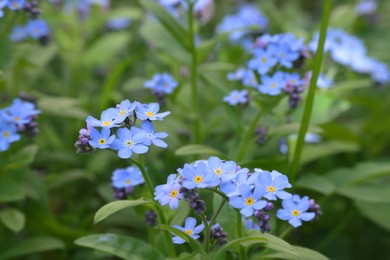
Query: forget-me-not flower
263, 61
224, 170
128, 177
237, 97
295, 210
248, 201
8, 135
190, 229
274, 184
272, 85
101, 140
169, 193
161, 83
152, 137
150, 112
124, 109
15, 4
107, 119
129, 141
198, 177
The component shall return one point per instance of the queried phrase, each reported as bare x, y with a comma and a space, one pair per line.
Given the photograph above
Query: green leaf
121, 246
315, 182
227, 218
366, 193
113, 207
10, 191
57, 180
23, 157
196, 246
216, 67
169, 23
249, 241
304, 253
32, 245
192, 149
61, 106
12, 219
376, 212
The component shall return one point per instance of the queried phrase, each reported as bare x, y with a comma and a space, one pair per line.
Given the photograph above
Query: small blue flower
130, 141
124, 109
150, 112
37, 29
295, 210
190, 229
15, 4
107, 119
237, 97
241, 176
284, 55
198, 177
247, 77
293, 79
169, 193
3, 3
20, 112
248, 201
19, 34
101, 140
118, 23
152, 137
161, 83
224, 170
125, 178
8, 135
274, 183
263, 61
272, 85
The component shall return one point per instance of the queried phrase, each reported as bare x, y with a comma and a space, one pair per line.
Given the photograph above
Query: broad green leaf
376, 212
113, 207
304, 253
362, 172
120, 246
170, 24
23, 157
315, 182
10, 191
249, 241
31, 246
227, 218
188, 256
192, 149
349, 86
196, 246
12, 219
343, 16
366, 193
107, 47
61, 106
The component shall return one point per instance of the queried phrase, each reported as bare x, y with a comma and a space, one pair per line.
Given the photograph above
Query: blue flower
283, 54
263, 61
247, 77
237, 97
198, 177
37, 29
272, 85
190, 229
169, 193
107, 119
248, 201
293, 79
152, 137
101, 140
3, 3
150, 112
274, 183
125, 178
161, 83
124, 109
8, 135
20, 112
15, 4
118, 23
295, 210
241, 176
224, 170
19, 34
130, 141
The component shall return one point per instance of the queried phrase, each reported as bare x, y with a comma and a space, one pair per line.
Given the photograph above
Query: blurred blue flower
366, 7
169, 193
129, 177
248, 201
161, 83
190, 229
263, 61
152, 137
247, 77
295, 210
150, 112
118, 23
129, 141
237, 97
15, 4
101, 140
37, 29
20, 112
272, 85
284, 55
198, 177
19, 34
8, 135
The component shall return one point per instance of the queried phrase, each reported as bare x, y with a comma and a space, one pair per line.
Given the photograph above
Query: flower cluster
124, 181
237, 97
128, 138
161, 84
272, 55
36, 29
350, 51
19, 117
252, 193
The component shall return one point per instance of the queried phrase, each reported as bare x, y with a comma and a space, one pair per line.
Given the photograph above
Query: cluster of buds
294, 92
121, 193
150, 217
32, 8
193, 198
218, 234
82, 144
261, 134
264, 218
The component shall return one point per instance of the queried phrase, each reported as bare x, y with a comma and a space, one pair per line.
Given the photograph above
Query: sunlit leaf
12, 219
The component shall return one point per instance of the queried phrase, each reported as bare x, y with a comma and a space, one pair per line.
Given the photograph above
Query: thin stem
194, 72
206, 232
212, 221
239, 235
160, 213
286, 232
247, 136
310, 96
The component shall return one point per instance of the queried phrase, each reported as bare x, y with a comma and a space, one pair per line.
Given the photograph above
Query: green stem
194, 72
239, 235
206, 232
157, 206
286, 232
247, 136
212, 221
310, 96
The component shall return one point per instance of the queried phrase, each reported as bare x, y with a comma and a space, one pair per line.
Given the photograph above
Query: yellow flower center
107, 123
149, 113
295, 213
198, 179
16, 119
128, 181
122, 112
283, 55
271, 188
189, 232
173, 194
165, 85
218, 171
6, 134
273, 85
263, 60
15, 5
102, 141
249, 201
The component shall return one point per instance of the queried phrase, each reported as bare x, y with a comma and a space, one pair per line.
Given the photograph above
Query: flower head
237, 97
101, 140
150, 112
272, 85
295, 210
198, 177
125, 178
169, 193
162, 83
107, 119
8, 135
263, 61
274, 183
129, 141
248, 201
190, 229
